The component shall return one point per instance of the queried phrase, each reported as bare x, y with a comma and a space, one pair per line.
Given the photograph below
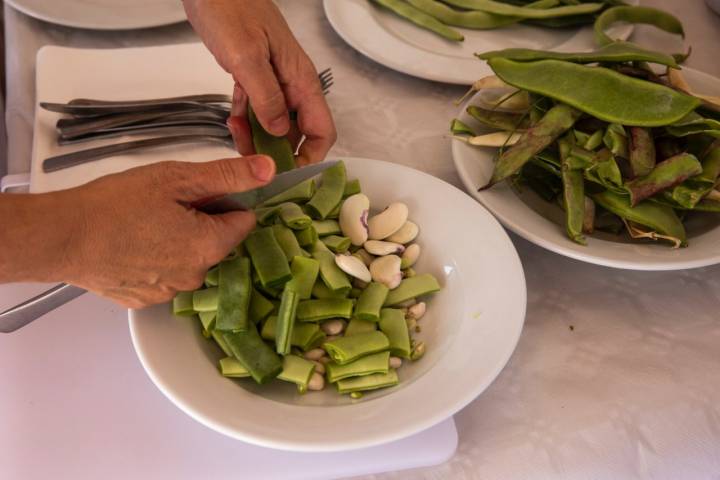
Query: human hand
252, 42
139, 240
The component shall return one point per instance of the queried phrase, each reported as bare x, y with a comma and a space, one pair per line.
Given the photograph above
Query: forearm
35, 238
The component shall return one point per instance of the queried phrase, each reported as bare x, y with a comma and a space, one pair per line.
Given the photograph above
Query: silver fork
187, 135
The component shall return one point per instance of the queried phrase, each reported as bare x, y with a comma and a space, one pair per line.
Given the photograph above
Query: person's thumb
200, 181
231, 228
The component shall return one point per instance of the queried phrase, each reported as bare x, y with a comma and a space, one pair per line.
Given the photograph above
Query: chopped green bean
320, 290
268, 258
260, 307
218, 337
330, 192
286, 320
642, 153
207, 319
205, 300
297, 370
334, 278
234, 291
230, 367
323, 309
615, 139
371, 301
412, 287
355, 292
355, 326
293, 217
375, 363
368, 382
393, 325
254, 354
266, 215
306, 237
211, 277
352, 187
305, 272
594, 141
287, 241
183, 304
336, 243
326, 227
346, 349
304, 335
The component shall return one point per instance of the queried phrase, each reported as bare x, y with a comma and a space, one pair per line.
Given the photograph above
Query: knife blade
26, 312
252, 198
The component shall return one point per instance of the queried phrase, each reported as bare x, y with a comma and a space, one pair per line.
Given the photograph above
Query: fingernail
279, 126
261, 167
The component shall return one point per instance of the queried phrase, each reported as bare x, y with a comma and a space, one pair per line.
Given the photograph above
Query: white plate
103, 14
540, 222
471, 328
398, 44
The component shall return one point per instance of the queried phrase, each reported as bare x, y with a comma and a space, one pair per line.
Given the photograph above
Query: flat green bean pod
612, 52
368, 382
665, 175
465, 18
500, 120
660, 218
278, 148
421, 19
644, 15
597, 91
499, 8
329, 195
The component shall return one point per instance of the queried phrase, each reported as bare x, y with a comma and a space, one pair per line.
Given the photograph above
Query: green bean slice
346, 349
293, 217
260, 307
393, 325
268, 258
230, 367
287, 241
211, 277
352, 187
323, 309
597, 91
355, 326
326, 227
336, 243
329, 195
234, 291
371, 301
297, 370
254, 354
183, 304
367, 365
301, 192
368, 382
412, 287
305, 273
205, 300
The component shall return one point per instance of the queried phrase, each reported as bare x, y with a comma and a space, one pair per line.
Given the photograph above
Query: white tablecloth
617, 374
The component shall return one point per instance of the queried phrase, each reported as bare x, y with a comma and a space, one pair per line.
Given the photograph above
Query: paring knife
34, 308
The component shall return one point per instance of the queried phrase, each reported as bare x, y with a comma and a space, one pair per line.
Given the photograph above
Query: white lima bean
410, 255
388, 221
395, 362
354, 218
406, 234
314, 354
333, 327
417, 311
381, 248
317, 382
353, 266
319, 367
386, 270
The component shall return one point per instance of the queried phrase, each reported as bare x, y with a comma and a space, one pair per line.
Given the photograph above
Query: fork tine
326, 80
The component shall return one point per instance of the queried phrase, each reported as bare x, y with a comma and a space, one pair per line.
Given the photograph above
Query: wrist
39, 237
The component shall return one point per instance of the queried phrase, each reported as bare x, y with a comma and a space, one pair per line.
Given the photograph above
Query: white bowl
471, 329
541, 223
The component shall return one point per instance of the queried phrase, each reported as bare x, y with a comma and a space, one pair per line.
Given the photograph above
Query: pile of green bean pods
439, 16
318, 293
617, 144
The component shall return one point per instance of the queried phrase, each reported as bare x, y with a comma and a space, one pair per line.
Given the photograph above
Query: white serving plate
398, 44
103, 14
537, 221
471, 329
